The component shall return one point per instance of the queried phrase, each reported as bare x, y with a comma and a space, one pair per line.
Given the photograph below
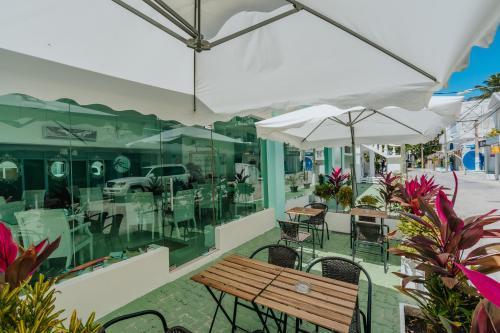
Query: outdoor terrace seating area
188, 304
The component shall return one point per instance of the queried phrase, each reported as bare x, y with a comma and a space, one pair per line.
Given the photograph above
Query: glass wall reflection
114, 184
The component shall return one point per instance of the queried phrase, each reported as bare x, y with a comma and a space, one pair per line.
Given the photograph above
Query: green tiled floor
189, 304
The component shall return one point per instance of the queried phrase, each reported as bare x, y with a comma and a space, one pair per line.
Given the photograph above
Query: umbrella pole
353, 167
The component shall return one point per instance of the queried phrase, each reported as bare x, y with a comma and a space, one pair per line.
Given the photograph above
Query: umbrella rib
337, 120
364, 39
357, 117
368, 116
314, 129
254, 27
399, 122
178, 17
150, 20
172, 19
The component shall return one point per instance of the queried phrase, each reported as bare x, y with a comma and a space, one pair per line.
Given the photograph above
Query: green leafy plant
409, 228
324, 191
292, 180
369, 200
344, 196
155, 185
30, 308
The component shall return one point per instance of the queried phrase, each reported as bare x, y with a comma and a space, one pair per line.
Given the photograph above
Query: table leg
219, 305
297, 325
264, 324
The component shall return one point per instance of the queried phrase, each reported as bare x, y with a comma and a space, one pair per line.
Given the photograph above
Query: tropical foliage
344, 196
337, 178
415, 190
27, 306
368, 199
490, 86
443, 253
388, 188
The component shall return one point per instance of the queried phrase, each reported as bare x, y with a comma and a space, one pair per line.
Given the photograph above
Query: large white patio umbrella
328, 126
196, 61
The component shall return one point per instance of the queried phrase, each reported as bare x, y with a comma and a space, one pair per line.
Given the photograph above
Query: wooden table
329, 304
304, 211
368, 213
308, 212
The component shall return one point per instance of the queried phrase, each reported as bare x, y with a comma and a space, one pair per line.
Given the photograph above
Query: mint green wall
275, 181
328, 153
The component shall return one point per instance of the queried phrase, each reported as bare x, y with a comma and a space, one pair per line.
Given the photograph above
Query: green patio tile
186, 303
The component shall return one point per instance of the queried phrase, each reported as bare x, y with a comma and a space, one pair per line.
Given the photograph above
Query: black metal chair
348, 271
368, 233
174, 329
291, 233
280, 255
114, 232
318, 220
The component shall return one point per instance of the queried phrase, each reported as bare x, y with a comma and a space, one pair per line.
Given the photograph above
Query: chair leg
327, 231
354, 250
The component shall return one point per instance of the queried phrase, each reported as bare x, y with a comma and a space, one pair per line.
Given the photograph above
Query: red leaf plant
409, 194
486, 317
337, 179
17, 263
442, 253
388, 187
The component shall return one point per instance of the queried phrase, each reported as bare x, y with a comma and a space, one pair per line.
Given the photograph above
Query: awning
285, 55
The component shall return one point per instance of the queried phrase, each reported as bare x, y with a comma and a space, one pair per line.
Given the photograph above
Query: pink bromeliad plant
388, 188
337, 178
449, 256
18, 264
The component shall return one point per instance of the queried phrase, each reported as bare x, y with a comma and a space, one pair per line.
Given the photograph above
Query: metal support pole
353, 167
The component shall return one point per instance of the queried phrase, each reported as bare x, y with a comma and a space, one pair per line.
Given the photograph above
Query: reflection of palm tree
490, 86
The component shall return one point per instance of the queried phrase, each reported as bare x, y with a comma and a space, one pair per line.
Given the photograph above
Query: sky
483, 63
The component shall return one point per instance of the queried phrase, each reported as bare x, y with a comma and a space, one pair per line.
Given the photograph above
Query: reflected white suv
164, 172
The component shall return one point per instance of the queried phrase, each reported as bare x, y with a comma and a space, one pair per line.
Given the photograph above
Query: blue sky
483, 63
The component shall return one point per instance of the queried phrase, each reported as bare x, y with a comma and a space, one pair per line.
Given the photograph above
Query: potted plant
30, 304
337, 179
324, 191
292, 182
442, 254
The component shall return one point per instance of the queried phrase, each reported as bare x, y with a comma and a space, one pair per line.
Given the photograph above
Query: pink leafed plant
337, 179
17, 263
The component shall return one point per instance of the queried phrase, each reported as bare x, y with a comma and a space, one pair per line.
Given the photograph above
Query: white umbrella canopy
328, 126
370, 53
192, 132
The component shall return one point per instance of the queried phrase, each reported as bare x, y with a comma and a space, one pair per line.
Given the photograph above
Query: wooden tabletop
239, 276
330, 303
305, 211
369, 213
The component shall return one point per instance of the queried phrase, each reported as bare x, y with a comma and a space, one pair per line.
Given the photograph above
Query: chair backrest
88, 194
34, 198
116, 221
139, 207
289, 230
134, 315
39, 224
280, 255
366, 218
205, 194
347, 271
320, 217
184, 206
368, 231
9, 209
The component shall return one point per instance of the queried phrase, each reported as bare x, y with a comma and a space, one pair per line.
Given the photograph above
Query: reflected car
163, 172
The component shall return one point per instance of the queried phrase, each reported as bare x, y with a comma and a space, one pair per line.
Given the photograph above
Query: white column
371, 155
497, 165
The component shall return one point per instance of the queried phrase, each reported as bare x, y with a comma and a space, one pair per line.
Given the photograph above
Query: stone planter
294, 188
307, 185
407, 311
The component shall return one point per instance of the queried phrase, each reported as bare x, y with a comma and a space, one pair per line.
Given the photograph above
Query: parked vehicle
164, 172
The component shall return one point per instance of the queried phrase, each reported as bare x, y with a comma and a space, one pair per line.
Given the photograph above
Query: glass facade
114, 184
